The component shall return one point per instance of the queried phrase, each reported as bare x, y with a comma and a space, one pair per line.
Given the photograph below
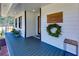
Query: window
20, 22
16, 22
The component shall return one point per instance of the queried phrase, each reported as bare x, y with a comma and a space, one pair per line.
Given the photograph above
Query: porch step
37, 36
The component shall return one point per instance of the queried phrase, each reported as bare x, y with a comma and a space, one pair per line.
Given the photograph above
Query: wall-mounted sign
55, 17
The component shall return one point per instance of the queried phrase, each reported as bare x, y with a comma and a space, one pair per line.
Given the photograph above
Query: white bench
72, 42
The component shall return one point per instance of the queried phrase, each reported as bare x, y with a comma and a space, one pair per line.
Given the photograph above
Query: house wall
31, 23
23, 23
70, 25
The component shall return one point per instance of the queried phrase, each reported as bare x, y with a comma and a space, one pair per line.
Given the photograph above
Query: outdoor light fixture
33, 10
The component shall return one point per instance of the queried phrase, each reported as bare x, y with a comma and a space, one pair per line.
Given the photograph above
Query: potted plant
16, 32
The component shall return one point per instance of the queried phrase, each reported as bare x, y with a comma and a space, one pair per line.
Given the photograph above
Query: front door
39, 25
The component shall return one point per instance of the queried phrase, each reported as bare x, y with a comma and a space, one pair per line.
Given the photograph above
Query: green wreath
58, 31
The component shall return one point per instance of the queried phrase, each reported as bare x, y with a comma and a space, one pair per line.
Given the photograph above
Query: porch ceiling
10, 9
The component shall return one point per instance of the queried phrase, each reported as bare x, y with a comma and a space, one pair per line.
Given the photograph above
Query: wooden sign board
55, 17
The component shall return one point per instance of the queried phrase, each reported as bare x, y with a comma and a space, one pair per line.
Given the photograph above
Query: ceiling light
33, 10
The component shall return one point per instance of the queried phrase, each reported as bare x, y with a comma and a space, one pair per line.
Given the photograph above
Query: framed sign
55, 17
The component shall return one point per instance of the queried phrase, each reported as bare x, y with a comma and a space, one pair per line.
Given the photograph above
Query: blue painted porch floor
37, 48
32, 46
